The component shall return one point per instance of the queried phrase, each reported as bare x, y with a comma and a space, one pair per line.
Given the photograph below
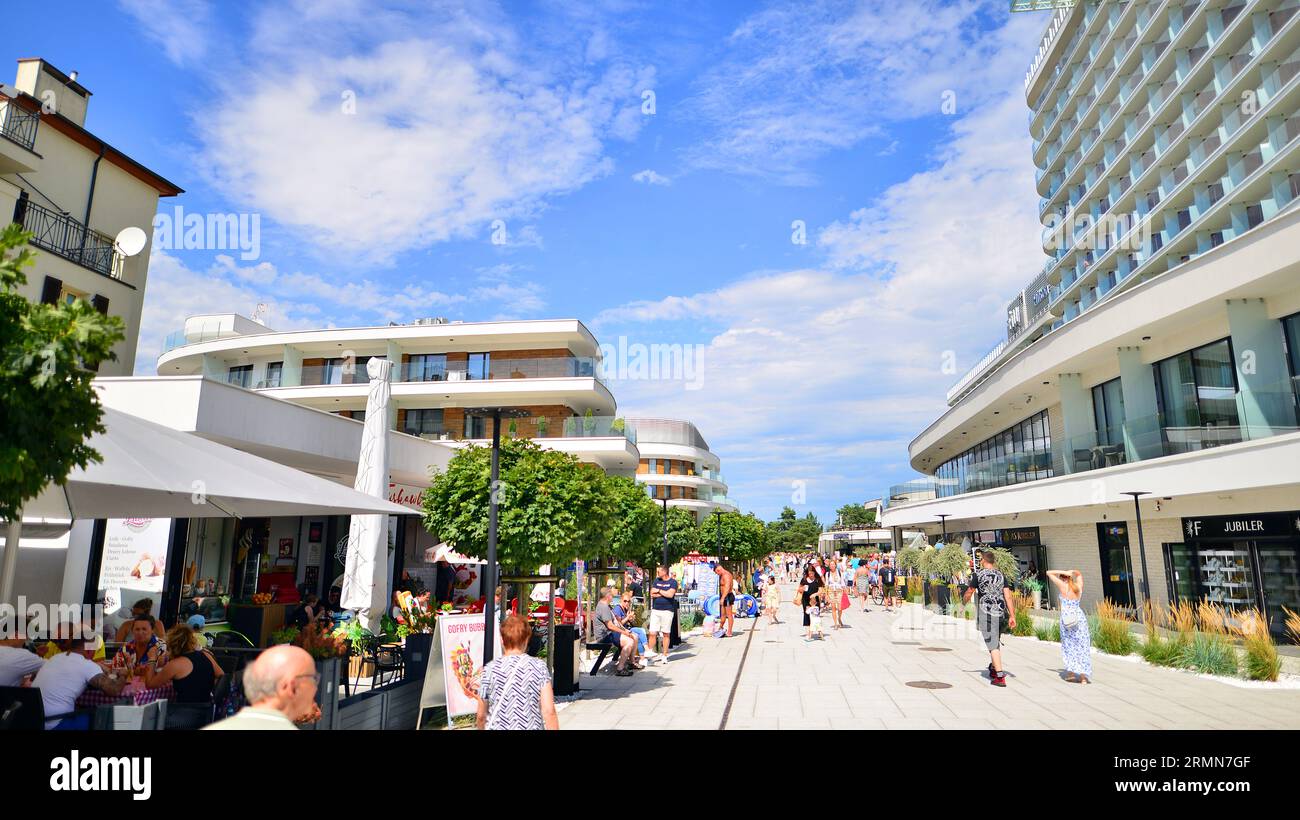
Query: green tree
48, 357
683, 535
855, 515
637, 523
742, 537
552, 507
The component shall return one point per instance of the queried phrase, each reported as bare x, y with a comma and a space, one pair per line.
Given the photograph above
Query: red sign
406, 495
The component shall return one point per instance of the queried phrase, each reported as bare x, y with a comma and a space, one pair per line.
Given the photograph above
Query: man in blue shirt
663, 607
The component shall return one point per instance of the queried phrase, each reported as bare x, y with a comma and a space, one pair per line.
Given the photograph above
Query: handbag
1070, 620
845, 603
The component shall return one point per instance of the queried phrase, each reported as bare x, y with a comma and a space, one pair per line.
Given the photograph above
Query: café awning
153, 471
438, 552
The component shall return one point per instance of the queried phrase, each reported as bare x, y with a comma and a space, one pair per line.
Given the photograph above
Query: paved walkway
856, 678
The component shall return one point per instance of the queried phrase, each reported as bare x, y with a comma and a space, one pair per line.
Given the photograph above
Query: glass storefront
1239, 562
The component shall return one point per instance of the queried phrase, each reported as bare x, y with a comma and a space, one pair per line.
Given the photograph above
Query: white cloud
650, 177
179, 26
889, 150
373, 132
803, 79
824, 375
295, 300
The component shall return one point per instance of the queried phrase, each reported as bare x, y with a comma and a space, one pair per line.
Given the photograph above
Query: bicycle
877, 594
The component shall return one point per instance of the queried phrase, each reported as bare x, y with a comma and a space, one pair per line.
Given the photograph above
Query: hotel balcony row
1008, 461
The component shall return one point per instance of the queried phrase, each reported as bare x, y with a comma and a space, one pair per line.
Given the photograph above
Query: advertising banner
460, 639
135, 556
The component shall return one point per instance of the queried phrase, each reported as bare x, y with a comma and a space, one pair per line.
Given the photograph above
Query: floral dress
1075, 641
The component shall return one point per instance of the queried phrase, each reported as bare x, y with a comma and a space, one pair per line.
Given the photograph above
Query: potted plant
328, 650
513, 429
588, 422
1034, 587
542, 422
617, 426
355, 637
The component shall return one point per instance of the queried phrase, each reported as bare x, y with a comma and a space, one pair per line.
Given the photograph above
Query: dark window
274, 372
426, 367
50, 291
479, 365
1254, 215
241, 376
424, 422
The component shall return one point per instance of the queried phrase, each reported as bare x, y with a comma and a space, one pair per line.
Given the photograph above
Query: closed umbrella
365, 575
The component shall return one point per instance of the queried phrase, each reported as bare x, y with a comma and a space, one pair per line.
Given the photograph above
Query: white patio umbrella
152, 471
365, 575
437, 552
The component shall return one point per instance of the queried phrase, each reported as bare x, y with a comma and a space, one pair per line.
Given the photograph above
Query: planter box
327, 694
415, 654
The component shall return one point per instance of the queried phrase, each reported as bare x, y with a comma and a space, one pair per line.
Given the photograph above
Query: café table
137, 694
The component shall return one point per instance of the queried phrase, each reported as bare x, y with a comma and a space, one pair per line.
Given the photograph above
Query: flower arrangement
320, 643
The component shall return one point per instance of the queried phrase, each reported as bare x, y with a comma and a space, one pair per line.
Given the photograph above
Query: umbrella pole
9, 569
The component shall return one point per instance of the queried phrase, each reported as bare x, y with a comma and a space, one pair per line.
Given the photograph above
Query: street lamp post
943, 524
490, 574
1142, 547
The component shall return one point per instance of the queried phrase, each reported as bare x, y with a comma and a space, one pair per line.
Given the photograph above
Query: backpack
886, 575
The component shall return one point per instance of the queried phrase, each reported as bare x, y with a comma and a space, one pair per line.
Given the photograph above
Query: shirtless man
726, 600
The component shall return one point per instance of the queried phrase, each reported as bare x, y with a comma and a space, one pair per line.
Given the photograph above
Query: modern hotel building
447, 377
74, 192
1158, 350
677, 465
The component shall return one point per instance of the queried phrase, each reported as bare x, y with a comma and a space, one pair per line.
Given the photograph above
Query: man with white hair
280, 685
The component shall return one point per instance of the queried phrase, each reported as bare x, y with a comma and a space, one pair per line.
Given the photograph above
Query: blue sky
380, 144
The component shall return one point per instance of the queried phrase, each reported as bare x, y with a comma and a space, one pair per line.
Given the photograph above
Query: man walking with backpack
994, 601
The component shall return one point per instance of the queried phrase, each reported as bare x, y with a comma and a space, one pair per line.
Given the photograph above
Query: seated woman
192, 671
144, 606
143, 648
309, 611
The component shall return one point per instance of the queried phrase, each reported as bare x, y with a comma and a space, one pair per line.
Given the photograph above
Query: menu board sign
134, 557
460, 639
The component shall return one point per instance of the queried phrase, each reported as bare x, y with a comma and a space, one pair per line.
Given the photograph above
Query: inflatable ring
710, 605
748, 606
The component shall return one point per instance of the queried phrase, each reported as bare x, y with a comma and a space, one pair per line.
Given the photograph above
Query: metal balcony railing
18, 125
64, 236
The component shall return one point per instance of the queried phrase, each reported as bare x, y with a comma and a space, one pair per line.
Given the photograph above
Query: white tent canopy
438, 552
153, 471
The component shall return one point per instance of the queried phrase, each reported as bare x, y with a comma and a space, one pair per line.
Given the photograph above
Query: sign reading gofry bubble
460, 639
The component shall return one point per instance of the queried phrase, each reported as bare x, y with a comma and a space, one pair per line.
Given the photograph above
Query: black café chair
21, 709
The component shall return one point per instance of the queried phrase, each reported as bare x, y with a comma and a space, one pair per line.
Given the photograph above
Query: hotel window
426, 367
1197, 388
274, 372
479, 366
1254, 215
1108, 412
476, 427
1018, 454
240, 376
421, 422
1291, 329
332, 371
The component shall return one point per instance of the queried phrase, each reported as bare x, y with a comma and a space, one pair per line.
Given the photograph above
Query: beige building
75, 193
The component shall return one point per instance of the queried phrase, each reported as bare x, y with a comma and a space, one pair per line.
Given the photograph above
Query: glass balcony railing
533, 427
345, 372
558, 367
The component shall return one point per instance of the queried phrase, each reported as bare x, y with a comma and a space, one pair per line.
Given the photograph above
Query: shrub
1162, 652
1292, 625
1209, 653
1051, 632
1111, 634
1183, 619
1262, 661
1024, 621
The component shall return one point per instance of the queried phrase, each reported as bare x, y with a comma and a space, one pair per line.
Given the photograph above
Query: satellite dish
130, 241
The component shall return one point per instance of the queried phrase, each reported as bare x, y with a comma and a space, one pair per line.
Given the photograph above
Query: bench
605, 649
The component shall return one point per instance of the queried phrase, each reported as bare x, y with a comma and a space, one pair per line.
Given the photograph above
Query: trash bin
567, 661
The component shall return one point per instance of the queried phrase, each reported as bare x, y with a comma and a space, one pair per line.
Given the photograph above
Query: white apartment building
447, 377
677, 465
1158, 350
75, 193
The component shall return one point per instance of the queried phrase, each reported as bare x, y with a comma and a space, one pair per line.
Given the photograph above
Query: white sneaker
649, 653
663, 660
